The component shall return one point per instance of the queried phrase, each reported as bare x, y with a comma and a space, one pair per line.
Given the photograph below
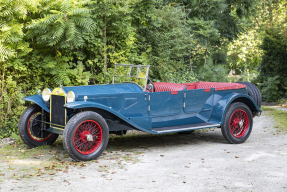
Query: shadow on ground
135, 140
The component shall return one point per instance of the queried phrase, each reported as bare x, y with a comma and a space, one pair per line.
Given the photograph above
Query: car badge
57, 91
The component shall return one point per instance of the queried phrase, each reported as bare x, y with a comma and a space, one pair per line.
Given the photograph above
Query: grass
279, 116
282, 102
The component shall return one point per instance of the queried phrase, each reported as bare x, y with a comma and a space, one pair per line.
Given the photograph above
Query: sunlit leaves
5, 52
64, 26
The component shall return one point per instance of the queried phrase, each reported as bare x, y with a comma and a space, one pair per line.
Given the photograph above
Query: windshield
131, 73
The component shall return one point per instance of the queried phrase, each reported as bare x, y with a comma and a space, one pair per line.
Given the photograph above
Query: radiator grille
58, 112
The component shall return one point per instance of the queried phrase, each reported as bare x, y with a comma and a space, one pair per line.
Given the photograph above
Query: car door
165, 103
198, 100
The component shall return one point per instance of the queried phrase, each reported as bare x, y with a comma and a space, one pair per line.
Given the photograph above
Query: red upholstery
218, 86
204, 85
189, 85
173, 87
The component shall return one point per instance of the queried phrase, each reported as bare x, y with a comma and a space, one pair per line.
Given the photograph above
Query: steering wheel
153, 87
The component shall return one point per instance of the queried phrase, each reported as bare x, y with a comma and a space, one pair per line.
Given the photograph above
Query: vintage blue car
85, 115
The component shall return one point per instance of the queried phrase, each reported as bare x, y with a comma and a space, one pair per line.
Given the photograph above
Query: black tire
82, 127
185, 132
253, 92
256, 90
29, 129
231, 129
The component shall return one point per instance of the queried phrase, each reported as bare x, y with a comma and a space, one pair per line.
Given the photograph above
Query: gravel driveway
201, 161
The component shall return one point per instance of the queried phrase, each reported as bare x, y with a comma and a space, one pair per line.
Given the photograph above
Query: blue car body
127, 106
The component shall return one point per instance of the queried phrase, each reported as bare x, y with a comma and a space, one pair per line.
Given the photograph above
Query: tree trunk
105, 46
205, 57
190, 63
1, 95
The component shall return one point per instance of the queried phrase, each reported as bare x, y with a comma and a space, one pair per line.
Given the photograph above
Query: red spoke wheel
86, 136
237, 124
30, 128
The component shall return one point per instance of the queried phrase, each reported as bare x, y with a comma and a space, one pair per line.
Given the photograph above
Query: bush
11, 106
273, 67
270, 89
182, 77
213, 73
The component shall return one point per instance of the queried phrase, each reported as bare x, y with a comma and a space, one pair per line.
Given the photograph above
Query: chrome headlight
46, 93
71, 97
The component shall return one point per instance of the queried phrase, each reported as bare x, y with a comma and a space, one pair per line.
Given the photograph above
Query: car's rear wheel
29, 127
86, 136
237, 124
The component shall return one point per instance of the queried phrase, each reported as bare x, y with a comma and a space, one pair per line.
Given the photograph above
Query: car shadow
135, 140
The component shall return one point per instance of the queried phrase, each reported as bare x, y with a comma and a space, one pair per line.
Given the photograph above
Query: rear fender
221, 107
142, 123
38, 100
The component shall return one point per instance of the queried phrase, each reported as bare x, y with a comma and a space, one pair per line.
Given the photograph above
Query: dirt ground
202, 161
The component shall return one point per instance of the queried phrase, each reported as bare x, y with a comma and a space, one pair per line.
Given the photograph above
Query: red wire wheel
239, 123
34, 130
87, 137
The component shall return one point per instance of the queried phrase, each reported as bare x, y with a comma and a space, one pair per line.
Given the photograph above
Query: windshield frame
139, 67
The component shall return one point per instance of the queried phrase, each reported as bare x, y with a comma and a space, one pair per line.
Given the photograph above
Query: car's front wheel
237, 124
30, 129
86, 136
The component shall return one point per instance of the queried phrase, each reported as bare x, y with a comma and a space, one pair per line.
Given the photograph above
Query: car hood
107, 89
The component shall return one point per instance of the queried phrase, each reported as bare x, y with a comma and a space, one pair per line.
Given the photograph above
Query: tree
12, 46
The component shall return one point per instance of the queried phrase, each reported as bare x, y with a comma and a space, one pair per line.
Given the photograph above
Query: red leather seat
218, 86
164, 86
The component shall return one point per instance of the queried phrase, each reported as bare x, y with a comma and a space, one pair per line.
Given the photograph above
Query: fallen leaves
67, 182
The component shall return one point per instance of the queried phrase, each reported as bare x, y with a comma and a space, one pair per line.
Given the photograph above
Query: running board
185, 127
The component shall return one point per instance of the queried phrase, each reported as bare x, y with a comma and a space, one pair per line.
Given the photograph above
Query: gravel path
201, 161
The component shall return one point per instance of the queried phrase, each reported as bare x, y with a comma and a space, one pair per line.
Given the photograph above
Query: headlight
46, 94
70, 97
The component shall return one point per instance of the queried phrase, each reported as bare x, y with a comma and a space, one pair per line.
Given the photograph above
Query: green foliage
271, 89
11, 106
182, 77
164, 42
63, 25
213, 73
275, 53
274, 65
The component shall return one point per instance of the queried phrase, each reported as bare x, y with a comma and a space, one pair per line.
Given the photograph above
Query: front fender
38, 100
144, 123
221, 107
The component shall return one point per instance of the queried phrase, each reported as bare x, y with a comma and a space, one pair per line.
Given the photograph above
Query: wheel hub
90, 137
241, 123
86, 136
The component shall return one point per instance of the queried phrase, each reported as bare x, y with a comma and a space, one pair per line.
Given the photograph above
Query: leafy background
47, 43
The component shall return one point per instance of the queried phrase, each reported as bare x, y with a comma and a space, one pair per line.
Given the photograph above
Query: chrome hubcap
89, 137
241, 123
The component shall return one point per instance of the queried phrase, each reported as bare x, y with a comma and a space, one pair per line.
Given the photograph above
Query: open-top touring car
85, 115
